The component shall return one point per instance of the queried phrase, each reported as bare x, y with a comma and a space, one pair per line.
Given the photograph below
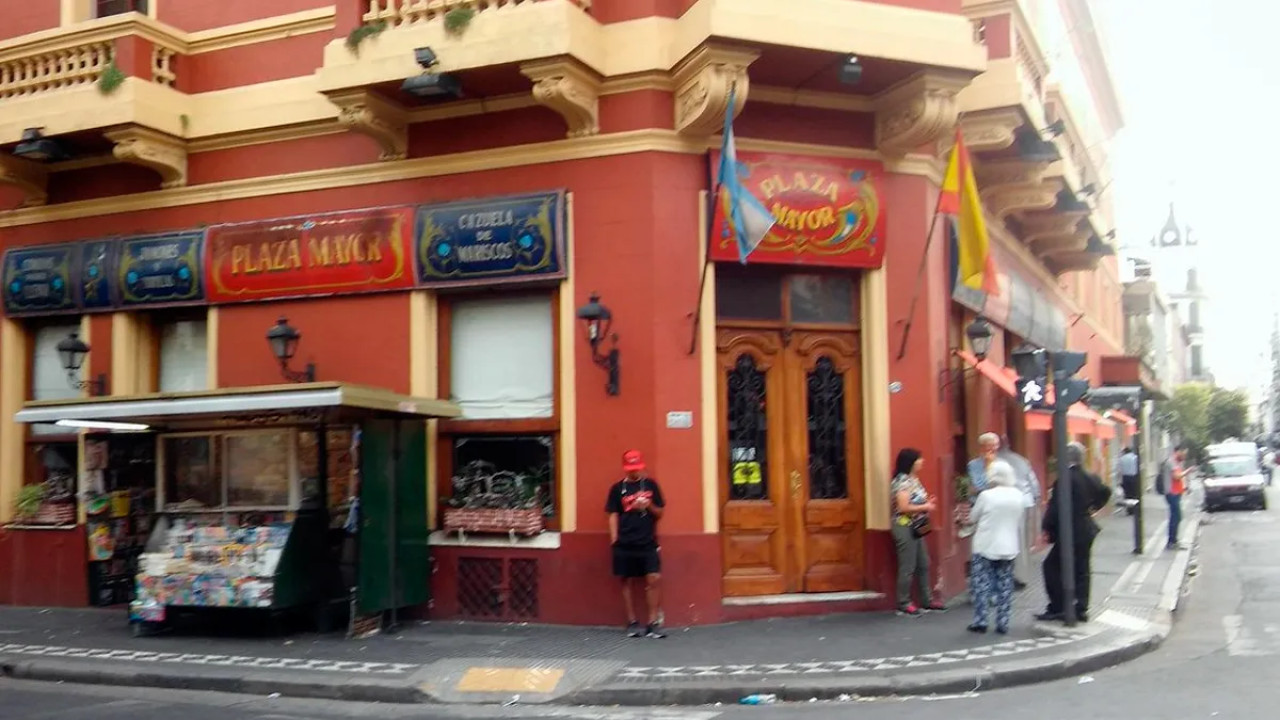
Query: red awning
1106, 429
1126, 422
1081, 420
1002, 377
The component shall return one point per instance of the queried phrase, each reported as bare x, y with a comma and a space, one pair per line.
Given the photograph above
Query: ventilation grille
497, 588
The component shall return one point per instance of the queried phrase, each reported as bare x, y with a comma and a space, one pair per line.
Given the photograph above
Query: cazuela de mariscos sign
827, 212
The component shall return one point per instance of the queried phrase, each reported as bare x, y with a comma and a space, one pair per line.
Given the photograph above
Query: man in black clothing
635, 505
1088, 495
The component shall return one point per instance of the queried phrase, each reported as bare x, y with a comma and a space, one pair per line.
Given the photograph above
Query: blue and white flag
746, 217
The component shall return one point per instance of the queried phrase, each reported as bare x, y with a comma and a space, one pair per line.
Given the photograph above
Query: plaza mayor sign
332, 253
827, 212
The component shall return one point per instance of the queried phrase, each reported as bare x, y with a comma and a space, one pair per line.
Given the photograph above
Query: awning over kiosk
167, 409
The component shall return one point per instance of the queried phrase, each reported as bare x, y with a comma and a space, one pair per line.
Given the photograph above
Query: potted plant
490, 501
28, 503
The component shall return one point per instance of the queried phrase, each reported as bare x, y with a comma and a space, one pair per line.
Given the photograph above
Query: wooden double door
791, 461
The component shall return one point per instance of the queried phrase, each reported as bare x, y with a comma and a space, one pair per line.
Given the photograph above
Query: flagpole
924, 259
710, 208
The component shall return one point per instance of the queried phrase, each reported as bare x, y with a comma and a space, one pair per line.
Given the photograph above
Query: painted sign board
827, 211
494, 240
356, 251
162, 269
40, 279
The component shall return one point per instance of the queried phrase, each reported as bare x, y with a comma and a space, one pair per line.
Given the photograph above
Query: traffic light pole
1065, 539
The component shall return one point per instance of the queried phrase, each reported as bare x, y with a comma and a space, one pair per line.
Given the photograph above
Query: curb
260, 685
959, 680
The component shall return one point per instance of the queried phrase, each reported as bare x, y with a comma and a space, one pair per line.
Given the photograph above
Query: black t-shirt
636, 528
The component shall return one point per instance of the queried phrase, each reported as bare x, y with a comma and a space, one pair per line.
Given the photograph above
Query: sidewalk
796, 658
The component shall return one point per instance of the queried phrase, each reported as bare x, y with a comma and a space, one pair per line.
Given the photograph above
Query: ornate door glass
748, 431
828, 471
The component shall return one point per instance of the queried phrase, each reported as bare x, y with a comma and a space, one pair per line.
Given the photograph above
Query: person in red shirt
634, 506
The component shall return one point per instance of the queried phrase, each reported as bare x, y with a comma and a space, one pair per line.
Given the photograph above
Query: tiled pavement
783, 650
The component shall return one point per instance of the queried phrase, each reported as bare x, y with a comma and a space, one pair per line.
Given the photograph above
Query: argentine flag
746, 216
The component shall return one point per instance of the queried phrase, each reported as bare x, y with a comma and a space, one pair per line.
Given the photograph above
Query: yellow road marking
498, 679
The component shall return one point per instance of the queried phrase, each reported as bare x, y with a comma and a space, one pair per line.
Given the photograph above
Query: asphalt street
1219, 662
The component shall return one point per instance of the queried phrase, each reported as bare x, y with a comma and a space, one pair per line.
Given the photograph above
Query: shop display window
258, 468
511, 472
192, 472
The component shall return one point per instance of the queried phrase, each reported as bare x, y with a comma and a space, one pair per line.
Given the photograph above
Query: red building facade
769, 399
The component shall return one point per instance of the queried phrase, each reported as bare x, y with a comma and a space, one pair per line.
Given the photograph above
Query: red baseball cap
632, 461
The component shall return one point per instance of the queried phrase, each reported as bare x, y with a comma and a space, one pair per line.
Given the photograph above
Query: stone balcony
1037, 175
104, 91
560, 55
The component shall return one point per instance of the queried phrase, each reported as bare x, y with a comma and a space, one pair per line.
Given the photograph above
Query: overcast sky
1198, 82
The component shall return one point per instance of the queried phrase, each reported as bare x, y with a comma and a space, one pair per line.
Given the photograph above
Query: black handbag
920, 525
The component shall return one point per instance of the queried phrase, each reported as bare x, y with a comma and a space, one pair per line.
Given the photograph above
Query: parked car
1233, 481
1239, 447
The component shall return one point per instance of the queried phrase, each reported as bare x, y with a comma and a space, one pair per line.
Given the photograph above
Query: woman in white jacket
998, 516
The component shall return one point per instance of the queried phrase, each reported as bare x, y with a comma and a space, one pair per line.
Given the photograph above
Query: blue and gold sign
94, 274
491, 241
40, 280
162, 269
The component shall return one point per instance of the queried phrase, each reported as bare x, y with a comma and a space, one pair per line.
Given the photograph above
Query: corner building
273, 151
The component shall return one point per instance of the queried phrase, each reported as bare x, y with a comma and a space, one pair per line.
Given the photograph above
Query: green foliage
1187, 414
962, 486
111, 79
29, 500
365, 31
457, 20
1227, 415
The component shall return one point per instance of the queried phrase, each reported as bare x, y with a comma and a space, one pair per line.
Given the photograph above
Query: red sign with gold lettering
828, 211
344, 252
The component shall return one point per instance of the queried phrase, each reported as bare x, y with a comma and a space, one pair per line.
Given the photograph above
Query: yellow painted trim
810, 98
710, 423
465, 108
124, 351
87, 337
651, 80
262, 30
624, 143
211, 329
424, 358
81, 475
13, 390
74, 11
568, 392
316, 128
875, 397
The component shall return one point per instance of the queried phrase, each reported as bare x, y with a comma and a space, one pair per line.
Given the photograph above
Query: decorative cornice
991, 131
369, 113
1054, 232
994, 174
31, 178
569, 88
163, 153
703, 81
918, 111
1074, 262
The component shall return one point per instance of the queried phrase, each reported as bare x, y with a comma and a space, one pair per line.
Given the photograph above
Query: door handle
795, 484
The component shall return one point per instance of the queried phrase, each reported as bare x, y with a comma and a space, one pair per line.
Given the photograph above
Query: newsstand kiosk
307, 497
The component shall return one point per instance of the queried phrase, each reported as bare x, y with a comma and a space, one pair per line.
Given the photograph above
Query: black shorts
636, 562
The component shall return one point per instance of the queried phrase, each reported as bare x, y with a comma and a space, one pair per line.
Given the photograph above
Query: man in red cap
635, 505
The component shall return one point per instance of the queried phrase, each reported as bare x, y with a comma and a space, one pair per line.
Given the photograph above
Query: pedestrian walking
634, 506
1130, 480
998, 516
1088, 495
911, 505
1029, 484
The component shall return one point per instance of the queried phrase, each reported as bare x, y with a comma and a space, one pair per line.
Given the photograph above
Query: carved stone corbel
918, 111
1054, 232
1010, 186
569, 88
163, 153
368, 113
29, 177
990, 131
703, 81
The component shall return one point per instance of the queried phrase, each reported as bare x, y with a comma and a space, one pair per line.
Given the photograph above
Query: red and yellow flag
960, 200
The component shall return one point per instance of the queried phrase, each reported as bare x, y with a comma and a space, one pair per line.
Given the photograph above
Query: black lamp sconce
283, 339
73, 351
979, 335
598, 322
